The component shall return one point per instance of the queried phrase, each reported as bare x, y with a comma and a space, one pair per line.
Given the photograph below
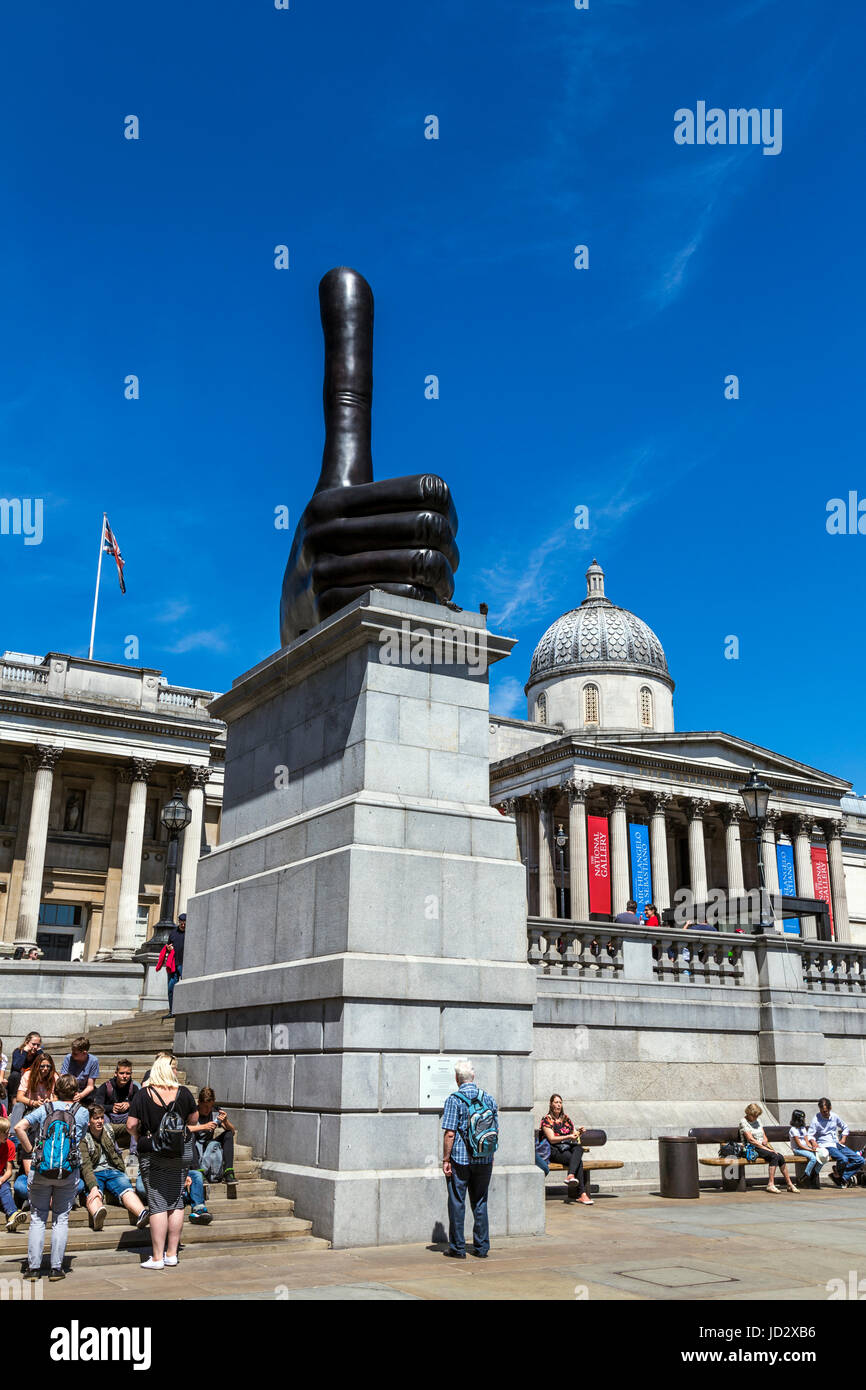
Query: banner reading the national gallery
598, 843
641, 873
821, 878
787, 881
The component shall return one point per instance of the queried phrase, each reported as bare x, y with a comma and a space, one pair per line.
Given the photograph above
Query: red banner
821, 879
599, 863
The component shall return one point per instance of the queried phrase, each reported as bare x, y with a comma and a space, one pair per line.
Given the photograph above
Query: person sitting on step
565, 1147
115, 1094
102, 1170
14, 1219
214, 1152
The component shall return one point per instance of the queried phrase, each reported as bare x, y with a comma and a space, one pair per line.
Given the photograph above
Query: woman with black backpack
158, 1116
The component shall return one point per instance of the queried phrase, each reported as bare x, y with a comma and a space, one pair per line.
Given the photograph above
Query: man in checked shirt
464, 1172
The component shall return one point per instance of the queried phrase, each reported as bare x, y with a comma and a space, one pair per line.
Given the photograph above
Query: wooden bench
735, 1181
590, 1139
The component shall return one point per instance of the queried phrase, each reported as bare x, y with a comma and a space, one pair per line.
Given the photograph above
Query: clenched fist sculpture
355, 535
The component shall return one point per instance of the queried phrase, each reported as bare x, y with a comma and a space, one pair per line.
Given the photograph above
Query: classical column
37, 839
658, 804
696, 808
194, 782
620, 886
578, 864
771, 863
136, 774
801, 833
833, 835
546, 877
731, 817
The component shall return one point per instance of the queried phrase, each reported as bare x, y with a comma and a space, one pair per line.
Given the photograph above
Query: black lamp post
756, 797
561, 842
175, 816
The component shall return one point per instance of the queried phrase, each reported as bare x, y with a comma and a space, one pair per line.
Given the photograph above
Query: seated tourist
831, 1131
114, 1095
651, 916
22, 1056
102, 1171
565, 1147
81, 1064
630, 914
14, 1219
752, 1133
35, 1088
4, 1068
804, 1146
214, 1152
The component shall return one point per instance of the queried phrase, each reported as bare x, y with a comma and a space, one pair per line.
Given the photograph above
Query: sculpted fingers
397, 531
425, 569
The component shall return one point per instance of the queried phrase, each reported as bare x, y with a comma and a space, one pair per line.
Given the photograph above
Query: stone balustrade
604, 950
20, 673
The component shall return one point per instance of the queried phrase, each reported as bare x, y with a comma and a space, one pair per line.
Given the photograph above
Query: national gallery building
612, 803
89, 753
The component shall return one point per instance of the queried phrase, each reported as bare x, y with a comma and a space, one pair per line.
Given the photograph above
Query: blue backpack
56, 1153
482, 1132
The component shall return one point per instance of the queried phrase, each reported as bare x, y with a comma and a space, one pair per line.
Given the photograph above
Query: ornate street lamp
175, 816
561, 842
756, 797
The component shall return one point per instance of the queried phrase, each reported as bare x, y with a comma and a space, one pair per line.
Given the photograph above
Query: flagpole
96, 595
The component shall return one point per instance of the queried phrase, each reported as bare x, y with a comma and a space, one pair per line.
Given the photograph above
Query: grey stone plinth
366, 908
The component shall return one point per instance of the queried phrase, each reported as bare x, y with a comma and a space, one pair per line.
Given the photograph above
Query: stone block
247, 858
295, 917
380, 825
286, 846
323, 783
400, 1081
395, 900
380, 1141
330, 916
376, 715
221, 930
515, 1083
426, 725
293, 1137
252, 1126
298, 1027
458, 777
257, 914
451, 688
307, 742
330, 830
466, 1029
438, 831
269, 1080
390, 767
385, 1026
474, 733
246, 1031
203, 1033
337, 1081
226, 1076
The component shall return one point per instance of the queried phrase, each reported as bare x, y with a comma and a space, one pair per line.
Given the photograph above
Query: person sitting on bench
804, 1146
565, 1147
752, 1133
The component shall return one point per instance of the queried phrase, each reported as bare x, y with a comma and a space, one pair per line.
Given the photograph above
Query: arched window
590, 704
541, 709
646, 707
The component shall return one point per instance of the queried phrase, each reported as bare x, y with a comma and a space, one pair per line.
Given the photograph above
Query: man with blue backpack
471, 1124
54, 1171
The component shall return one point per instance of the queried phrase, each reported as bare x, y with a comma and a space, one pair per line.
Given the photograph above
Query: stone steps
255, 1216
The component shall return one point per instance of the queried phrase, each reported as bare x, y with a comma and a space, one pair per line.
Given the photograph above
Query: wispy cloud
172, 612
210, 639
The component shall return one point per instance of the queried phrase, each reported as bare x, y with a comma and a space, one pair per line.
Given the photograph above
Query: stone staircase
255, 1215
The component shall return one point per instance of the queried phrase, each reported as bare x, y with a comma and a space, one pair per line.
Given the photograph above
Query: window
646, 707
541, 709
590, 704
59, 915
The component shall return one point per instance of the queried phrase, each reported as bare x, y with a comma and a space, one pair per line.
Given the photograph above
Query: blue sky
559, 387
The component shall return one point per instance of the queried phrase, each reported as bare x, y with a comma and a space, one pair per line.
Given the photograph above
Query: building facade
612, 802
89, 753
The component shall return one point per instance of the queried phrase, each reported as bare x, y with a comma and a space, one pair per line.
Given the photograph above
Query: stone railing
604, 950
180, 697
23, 674
835, 969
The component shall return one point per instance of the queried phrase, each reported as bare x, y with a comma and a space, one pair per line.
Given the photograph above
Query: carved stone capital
802, 825
696, 807
771, 822
47, 755
618, 796
658, 802
731, 814
137, 770
832, 829
577, 790
192, 777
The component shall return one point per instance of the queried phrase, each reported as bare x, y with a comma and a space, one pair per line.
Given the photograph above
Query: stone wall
61, 999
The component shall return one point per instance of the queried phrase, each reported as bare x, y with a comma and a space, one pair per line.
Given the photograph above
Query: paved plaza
636, 1247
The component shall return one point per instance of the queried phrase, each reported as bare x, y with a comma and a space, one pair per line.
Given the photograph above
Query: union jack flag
111, 547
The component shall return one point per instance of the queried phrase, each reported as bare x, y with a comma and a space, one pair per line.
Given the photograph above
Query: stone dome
598, 636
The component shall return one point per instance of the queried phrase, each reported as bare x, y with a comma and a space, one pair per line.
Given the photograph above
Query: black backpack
169, 1138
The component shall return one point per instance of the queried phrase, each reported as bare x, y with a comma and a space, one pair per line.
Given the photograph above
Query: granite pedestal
365, 909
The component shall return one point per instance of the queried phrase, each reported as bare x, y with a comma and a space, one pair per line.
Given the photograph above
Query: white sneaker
170, 1260
154, 1264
